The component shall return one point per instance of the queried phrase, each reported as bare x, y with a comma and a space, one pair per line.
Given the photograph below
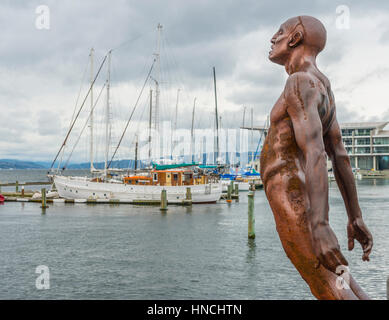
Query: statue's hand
326, 247
356, 229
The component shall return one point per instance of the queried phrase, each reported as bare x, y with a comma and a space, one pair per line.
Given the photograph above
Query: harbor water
105, 251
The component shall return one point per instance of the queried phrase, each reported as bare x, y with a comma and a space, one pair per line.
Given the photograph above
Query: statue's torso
280, 153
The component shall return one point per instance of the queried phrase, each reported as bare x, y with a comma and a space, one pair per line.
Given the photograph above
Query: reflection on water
198, 252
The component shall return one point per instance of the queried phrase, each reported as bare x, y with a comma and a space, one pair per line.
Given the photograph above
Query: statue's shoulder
301, 84
300, 79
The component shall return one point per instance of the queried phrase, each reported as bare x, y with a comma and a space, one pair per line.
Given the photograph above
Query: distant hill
18, 164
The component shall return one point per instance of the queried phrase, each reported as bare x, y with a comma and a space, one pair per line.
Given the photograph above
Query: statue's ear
295, 39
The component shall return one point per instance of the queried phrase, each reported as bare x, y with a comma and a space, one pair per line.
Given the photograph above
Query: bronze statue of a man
303, 129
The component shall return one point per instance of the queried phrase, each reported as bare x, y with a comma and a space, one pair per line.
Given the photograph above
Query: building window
155, 177
381, 140
362, 132
362, 150
365, 163
362, 141
381, 149
347, 132
347, 141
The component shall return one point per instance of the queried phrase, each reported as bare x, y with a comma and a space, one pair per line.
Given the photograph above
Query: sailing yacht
175, 179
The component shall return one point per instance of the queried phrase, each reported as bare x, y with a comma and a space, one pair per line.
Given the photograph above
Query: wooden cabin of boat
167, 178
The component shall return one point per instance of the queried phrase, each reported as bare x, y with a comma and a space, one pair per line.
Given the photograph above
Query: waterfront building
366, 143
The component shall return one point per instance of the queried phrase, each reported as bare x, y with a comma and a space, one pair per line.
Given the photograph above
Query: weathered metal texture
303, 128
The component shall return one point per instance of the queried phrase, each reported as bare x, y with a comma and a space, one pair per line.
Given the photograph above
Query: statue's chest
278, 111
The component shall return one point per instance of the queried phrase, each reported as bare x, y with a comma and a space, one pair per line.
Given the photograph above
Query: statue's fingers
367, 250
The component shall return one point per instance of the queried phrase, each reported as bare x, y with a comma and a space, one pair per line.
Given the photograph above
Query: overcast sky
41, 70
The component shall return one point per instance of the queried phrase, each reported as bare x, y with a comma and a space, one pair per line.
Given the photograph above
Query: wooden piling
188, 193
17, 186
232, 186
163, 200
22, 192
236, 189
43, 192
229, 190
251, 219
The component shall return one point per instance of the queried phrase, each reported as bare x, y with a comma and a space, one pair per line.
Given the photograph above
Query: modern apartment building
367, 144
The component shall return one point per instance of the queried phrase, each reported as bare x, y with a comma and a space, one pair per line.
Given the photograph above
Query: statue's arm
302, 101
356, 228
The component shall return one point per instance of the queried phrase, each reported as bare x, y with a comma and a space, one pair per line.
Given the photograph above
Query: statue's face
280, 49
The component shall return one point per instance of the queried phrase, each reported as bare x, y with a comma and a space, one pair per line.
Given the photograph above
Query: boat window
175, 176
155, 177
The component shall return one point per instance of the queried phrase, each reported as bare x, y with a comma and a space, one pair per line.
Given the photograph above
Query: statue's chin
274, 59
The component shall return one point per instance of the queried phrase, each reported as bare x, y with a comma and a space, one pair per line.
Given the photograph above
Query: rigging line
260, 139
75, 107
136, 37
132, 113
85, 125
78, 113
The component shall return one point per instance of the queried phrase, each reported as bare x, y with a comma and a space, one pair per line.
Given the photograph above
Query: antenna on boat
107, 110
91, 109
191, 131
217, 120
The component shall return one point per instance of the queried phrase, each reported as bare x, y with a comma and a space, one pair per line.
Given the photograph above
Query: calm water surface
131, 252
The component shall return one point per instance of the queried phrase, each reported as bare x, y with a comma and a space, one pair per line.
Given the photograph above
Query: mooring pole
251, 219
232, 186
236, 189
229, 190
22, 191
17, 186
43, 192
163, 200
188, 193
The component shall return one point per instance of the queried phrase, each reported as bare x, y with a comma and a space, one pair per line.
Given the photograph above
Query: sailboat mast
150, 123
91, 110
158, 76
191, 130
216, 116
174, 131
107, 110
136, 153
244, 115
251, 143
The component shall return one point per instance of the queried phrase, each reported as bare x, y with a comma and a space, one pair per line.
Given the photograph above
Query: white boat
133, 189
243, 186
85, 188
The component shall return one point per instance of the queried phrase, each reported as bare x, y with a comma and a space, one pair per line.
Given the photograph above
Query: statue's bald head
304, 31
314, 32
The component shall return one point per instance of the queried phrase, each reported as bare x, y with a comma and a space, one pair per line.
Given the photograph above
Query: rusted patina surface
303, 129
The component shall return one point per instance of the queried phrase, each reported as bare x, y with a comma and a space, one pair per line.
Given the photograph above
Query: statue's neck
300, 61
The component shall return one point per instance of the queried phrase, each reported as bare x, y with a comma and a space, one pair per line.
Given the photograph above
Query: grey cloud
198, 35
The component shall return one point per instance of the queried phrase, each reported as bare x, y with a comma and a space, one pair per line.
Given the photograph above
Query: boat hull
83, 188
243, 186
